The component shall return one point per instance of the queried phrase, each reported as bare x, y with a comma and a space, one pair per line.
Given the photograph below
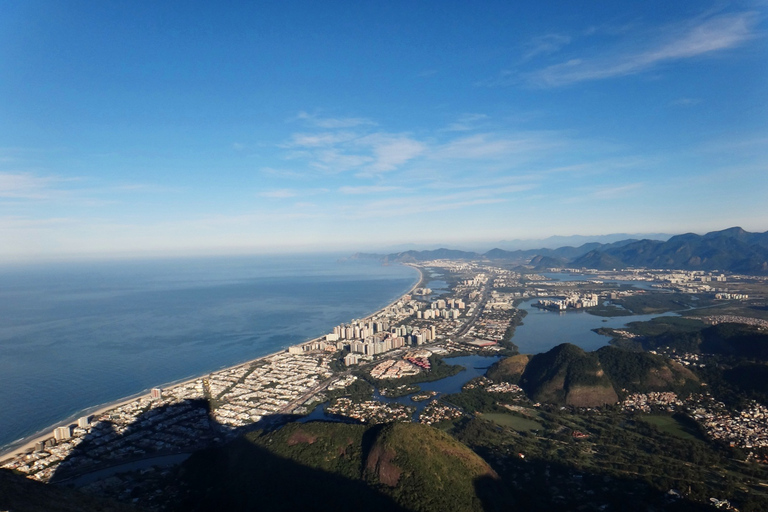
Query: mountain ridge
732, 250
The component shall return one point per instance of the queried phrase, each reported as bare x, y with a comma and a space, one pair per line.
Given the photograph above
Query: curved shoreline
20, 446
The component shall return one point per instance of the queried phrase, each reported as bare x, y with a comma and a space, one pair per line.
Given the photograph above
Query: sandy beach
20, 447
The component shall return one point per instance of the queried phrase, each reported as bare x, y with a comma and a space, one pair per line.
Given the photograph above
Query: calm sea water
76, 335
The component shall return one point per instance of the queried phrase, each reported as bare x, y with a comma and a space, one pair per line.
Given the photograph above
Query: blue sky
189, 127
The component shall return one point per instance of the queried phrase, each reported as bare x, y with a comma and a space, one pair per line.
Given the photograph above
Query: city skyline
192, 128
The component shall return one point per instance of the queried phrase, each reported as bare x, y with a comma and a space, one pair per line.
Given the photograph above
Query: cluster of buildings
490, 327
372, 411
424, 395
180, 418
435, 412
383, 332
571, 301
719, 319
504, 387
731, 296
342, 382
394, 369
247, 393
506, 279
685, 358
477, 281
747, 428
176, 420
647, 402
498, 300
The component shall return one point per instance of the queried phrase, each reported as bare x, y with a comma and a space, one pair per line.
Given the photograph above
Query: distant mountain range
732, 250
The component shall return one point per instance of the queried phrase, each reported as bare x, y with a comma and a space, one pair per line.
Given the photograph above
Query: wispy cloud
334, 122
615, 191
337, 160
13, 222
283, 173
390, 152
545, 45
288, 193
695, 38
324, 139
494, 145
365, 190
396, 206
283, 193
685, 102
24, 185
466, 123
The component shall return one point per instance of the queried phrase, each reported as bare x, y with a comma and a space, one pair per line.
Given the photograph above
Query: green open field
510, 420
673, 426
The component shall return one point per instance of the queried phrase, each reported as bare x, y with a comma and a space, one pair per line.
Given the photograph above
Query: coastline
17, 448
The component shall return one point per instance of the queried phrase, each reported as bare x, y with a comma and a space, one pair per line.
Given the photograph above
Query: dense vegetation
624, 463
652, 303
641, 372
343, 467
691, 335
567, 375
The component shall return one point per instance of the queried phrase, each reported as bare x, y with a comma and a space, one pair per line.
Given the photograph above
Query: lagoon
543, 329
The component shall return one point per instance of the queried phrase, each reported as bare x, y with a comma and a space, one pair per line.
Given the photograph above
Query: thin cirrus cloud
333, 122
493, 145
368, 154
615, 191
25, 185
466, 123
364, 190
699, 37
318, 140
390, 152
288, 193
282, 193
545, 45
397, 206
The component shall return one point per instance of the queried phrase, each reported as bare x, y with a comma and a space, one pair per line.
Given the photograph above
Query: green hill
568, 375
641, 372
509, 369
735, 340
341, 467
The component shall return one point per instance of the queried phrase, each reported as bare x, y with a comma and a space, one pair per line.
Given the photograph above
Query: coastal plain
396, 365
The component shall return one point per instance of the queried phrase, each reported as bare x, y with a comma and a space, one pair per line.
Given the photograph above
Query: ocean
77, 335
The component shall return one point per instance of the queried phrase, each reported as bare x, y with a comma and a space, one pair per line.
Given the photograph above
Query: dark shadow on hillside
229, 472
20, 494
539, 486
184, 427
548, 485
113, 447
245, 477
116, 439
